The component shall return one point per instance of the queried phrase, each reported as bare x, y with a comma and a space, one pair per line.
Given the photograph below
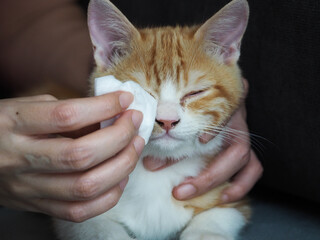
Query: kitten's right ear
110, 31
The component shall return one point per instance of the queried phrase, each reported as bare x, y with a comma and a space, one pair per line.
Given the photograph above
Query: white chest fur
147, 207
148, 211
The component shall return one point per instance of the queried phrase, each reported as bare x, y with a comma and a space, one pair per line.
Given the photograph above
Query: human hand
237, 162
68, 178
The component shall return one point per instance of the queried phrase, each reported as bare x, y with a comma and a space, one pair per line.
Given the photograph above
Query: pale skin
81, 172
81, 177
69, 178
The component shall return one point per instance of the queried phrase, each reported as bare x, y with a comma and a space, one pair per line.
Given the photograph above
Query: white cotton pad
142, 102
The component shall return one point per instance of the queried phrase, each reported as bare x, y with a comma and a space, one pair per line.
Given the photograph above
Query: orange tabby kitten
193, 74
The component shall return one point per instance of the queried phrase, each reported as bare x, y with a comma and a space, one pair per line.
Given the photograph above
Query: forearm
43, 40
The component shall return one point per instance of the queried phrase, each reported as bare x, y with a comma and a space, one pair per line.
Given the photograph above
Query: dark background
280, 53
280, 59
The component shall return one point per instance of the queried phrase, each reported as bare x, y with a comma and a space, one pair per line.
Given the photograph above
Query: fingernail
125, 99
186, 191
224, 198
138, 144
123, 183
137, 119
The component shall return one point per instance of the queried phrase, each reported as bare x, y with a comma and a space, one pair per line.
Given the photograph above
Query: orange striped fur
173, 53
177, 54
193, 74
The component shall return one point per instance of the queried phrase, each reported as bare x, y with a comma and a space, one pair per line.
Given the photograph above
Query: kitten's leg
214, 224
97, 228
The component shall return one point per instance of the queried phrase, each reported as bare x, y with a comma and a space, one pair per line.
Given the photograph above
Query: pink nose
167, 124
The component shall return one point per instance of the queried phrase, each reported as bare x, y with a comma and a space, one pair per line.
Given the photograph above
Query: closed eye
193, 94
150, 93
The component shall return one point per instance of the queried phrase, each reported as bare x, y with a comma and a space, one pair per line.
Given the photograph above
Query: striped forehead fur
173, 54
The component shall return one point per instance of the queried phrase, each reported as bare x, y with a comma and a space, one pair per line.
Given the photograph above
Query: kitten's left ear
222, 33
110, 31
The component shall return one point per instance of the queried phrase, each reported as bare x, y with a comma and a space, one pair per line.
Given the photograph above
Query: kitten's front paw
204, 236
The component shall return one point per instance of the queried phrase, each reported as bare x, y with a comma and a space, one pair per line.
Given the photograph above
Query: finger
245, 87
155, 164
43, 97
69, 155
79, 211
225, 165
87, 185
67, 115
206, 137
244, 181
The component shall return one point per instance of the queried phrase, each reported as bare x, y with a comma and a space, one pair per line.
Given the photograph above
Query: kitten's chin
166, 143
166, 138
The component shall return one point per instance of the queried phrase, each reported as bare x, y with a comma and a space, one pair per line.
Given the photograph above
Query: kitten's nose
167, 124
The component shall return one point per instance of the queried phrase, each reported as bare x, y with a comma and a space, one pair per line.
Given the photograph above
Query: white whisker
229, 135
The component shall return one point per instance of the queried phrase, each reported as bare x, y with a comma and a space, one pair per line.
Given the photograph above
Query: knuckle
17, 189
209, 180
243, 154
65, 115
77, 156
112, 106
86, 188
126, 134
129, 163
259, 169
76, 213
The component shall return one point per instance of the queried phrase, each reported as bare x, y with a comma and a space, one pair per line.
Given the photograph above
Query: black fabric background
280, 53
280, 58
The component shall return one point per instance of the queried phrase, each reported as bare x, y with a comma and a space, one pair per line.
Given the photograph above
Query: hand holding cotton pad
142, 102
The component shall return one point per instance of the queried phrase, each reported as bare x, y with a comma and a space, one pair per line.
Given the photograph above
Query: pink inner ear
234, 34
226, 29
99, 36
109, 30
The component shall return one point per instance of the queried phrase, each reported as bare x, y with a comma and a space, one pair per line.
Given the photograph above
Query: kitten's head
191, 71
